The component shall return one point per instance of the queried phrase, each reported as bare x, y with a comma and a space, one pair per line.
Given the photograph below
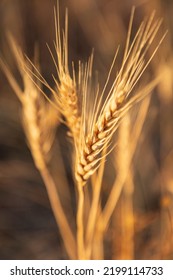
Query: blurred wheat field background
140, 167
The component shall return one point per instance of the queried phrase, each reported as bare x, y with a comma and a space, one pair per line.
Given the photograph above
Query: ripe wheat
118, 101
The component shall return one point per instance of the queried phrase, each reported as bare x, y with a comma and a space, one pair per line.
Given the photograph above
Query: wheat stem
80, 223
91, 225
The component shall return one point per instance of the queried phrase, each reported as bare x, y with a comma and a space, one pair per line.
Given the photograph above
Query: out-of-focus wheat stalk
105, 122
121, 177
166, 152
39, 120
39, 125
163, 66
127, 212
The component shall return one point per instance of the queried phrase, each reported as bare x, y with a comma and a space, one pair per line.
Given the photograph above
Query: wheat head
65, 94
119, 99
39, 118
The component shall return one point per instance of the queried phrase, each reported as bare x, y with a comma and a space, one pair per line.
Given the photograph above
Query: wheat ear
118, 100
66, 88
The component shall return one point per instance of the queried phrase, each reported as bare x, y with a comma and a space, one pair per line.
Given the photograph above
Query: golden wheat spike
119, 100
66, 97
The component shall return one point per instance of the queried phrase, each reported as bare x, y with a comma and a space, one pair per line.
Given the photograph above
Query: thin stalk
94, 208
80, 223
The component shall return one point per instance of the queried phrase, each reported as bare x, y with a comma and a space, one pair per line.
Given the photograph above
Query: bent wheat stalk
39, 125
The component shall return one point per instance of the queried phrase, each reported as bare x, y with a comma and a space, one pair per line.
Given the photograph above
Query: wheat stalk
118, 101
